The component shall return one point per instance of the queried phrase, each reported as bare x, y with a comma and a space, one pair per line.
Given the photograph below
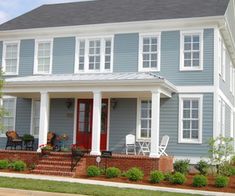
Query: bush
19, 165
134, 174
4, 164
202, 167
113, 172
199, 181
178, 178
156, 176
221, 181
181, 166
93, 171
226, 170
167, 176
233, 160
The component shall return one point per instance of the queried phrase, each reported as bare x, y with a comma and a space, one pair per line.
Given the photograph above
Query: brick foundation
29, 157
125, 162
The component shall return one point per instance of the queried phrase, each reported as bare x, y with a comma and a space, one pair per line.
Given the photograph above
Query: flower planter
46, 152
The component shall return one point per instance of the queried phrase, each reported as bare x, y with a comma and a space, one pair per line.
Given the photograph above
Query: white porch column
44, 118
155, 124
96, 123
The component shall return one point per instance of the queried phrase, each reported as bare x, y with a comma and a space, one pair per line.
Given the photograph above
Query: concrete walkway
113, 184
16, 192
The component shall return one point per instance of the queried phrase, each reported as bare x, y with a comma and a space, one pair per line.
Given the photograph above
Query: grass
76, 188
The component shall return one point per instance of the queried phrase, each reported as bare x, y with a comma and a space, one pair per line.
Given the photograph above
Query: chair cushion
12, 134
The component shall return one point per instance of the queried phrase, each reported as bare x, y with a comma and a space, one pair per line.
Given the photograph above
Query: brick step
54, 162
53, 167
52, 158
54, 173
61, 154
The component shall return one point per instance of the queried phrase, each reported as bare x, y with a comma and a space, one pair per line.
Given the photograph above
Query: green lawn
66, 187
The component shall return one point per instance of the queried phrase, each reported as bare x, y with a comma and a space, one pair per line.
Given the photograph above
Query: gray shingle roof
112, 11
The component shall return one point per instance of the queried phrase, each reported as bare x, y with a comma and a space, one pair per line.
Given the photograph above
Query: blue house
100, 70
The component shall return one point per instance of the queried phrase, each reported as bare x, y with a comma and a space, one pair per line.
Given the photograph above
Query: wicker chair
13, 140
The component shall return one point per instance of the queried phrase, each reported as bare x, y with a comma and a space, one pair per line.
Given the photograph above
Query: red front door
84, 123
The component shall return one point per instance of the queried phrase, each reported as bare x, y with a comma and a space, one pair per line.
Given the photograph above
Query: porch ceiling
73, 85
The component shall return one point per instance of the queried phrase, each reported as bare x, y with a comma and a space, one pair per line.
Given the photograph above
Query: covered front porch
101, 109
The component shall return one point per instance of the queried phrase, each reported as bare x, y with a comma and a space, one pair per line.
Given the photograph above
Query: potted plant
27, 138
46, 149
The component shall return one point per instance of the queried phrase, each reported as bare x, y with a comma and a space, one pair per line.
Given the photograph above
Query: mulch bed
187, 185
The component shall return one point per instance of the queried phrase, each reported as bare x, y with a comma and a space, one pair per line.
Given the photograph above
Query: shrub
167, 176
233, 160
19, 165
156, 176
221, 181
134, 174
202, 167
181, 166
178, 178
93, 171
4, 164
199, 181
226, 170
113, 172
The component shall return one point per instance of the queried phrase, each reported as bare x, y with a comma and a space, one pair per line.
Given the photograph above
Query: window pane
186, 114
186, 104
44, 57
195, 124
194, 134
194, 113
144, 133
186, 124
186, 134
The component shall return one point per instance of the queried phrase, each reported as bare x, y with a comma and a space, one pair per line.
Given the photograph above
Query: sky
12, 8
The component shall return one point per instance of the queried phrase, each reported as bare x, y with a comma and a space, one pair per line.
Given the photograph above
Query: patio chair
130, 144
163, 145
13, 140
51, 138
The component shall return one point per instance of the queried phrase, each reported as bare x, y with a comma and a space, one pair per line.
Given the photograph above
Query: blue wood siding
227, 121
26, 61
23, 119
230, 16
122, 123
126, 52
169, 126
63, 55
61, 119
170, 60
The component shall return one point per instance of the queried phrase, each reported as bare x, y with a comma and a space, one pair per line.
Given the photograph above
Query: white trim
180, 130
75, 121
191, 32
14, 111
140, 59
223, 118
102, 40
225, 99
108, 125
35, 69
4, 56
223, 59
230, 76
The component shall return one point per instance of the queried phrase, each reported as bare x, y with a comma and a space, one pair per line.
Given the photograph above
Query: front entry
84, 124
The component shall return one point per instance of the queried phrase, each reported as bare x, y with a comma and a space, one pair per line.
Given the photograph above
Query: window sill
190, 142
10, 74
92, 72
149, 70
41, 73
187, 69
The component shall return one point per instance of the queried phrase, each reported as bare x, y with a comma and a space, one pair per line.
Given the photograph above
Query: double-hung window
144, 119
149, 52
35, 116
9, 105
43, 57
191, 57
190, 118
94, 55
11, 58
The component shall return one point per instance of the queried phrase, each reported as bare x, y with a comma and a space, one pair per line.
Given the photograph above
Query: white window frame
220, 55
182, 97
4, 56
138, 121
32, 118
223, 61
14, 112
86, 56
191, 32
37, 41
140, 64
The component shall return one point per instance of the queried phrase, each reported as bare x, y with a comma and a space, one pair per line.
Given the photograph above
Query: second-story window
94, 55
10, 58
43, 57
191, 51
149, 53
